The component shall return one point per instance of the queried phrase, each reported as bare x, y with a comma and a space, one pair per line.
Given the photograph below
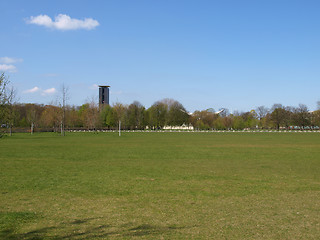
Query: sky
205, 54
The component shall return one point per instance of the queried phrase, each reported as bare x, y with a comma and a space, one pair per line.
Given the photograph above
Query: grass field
160, 186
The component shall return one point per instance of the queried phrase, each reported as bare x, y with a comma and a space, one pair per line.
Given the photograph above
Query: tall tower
104, 95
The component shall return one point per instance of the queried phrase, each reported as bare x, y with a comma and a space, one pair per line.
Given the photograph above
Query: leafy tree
301, 116
72, 117
51, 117
315, 120
176, 114
33, 115
227, 121
238, 123
111, 118
203, 119
278, 115
218, 123
202, 126
89, 113
119, 114
250, 119
135, 116
146, 118
158, 115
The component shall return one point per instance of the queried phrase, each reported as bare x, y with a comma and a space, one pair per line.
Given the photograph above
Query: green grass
160, 186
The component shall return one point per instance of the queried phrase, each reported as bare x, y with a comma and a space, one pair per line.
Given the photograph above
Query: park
160, 185
159, 120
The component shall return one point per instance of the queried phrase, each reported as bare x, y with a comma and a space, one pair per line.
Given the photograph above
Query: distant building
182, 127
104, 95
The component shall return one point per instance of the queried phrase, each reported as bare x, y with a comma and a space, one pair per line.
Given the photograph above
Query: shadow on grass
85, 229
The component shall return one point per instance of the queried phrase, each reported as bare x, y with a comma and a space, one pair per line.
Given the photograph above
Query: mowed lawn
160, 186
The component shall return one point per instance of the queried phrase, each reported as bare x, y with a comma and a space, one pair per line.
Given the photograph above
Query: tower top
103, 94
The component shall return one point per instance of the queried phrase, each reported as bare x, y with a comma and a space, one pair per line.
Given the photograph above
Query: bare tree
224, 113
64, 99
4, 81
3, 97
262, 112
7, 96
11, 113
32, 116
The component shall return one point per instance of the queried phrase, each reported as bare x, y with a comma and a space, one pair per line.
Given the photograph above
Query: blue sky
233, 54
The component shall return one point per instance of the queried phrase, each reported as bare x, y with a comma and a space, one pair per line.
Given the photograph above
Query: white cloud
63, 22
49, 91
8, 60
8, 68
42, 92
7, 65
32, 90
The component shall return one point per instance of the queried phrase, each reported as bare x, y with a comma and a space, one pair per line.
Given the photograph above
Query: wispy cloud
45, 92
8, 60
32, 90
6, 64
8, 68
63, 22
94, 86
49, 91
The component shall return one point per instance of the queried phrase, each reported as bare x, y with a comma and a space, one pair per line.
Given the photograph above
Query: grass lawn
160, 186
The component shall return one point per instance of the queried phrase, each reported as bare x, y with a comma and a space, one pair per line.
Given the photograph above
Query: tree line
91, 116
167, 112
